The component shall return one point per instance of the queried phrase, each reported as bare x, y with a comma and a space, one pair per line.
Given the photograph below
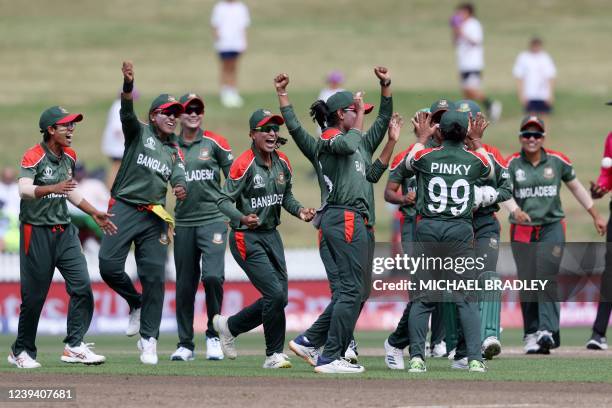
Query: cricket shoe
82, 354
339, 366
305, 349
476, 366
417, 365
491, 347
394, 357
134, 323
225, 336
182, 354
148, 350
277, 360
545, 341
597, 342
439, 350
213, 349
460, 364
531, 343
23, 360
351, 352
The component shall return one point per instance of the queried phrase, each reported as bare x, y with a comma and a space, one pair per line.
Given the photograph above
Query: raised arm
375, 134
129, 121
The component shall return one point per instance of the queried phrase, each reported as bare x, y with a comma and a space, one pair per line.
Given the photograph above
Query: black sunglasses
529, 135
198, 110
268, 128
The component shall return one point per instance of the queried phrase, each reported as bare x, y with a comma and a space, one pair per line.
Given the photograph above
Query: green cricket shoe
477, 366
416, 365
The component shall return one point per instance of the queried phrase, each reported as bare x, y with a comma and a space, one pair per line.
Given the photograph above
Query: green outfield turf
69, 53
122, 359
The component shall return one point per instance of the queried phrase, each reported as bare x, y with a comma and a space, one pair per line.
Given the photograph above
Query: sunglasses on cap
197, 109
529, 134
268, 128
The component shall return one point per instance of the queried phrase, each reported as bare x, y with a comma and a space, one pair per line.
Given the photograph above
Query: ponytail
320, 113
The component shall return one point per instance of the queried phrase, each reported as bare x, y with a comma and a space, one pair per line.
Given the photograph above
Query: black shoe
597, 342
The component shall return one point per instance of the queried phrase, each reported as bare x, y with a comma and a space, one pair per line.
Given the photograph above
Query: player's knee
278, 300
109, 267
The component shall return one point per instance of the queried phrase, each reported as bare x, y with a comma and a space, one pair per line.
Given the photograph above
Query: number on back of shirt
456, 198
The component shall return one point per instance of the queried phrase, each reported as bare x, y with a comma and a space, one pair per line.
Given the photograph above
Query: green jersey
45, 168
205, 158
536, 188
148, 163
399, 173
501, 182
445, 176
258, 189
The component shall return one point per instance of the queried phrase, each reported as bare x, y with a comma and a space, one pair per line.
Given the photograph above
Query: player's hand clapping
395, 126
423, 128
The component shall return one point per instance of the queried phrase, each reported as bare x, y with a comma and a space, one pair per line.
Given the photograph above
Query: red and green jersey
501, 182
399, 173
368, 144
445, 176
536, 189
45, 168
258, 189
205, 158
148, 163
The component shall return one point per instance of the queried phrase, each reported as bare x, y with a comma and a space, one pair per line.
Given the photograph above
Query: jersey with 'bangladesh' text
445, 179
399, 173
205, 158
45, 168
536, 189
148, 163
258, 189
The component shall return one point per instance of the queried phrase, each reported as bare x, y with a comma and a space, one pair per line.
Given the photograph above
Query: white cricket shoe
134, 323
277, 360
226, 337
491, 347
23, 360
394, 357
182, 354
213, 349
148, 350
82, 354
304, 349
531, 343
351, 352
339, 366
439, 350
461, 364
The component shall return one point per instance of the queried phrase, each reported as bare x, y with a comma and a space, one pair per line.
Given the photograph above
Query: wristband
385, 82
282, 93
128, 86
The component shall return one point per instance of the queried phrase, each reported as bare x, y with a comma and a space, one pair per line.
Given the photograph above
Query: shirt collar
543, 156
199, 137
259, 160
50, 154
452, 143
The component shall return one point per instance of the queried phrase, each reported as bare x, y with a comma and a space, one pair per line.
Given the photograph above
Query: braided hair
320, 113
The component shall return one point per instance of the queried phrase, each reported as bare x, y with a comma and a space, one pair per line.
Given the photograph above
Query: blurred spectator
97, 194
229, 21
334, 82
9, 193
468, 39
112, 139
535, 72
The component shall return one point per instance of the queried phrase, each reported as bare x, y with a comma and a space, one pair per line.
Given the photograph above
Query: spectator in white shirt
468, 39
9, 192
113, 142
229, 21
535, 73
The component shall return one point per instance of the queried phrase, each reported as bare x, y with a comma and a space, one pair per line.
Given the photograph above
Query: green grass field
122, 359
69, 53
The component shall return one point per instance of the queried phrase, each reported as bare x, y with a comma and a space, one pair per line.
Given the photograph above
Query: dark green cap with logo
532, 120
262, 117
344, 100
166, 101
467, 106
191, 99
451, 118
56, 115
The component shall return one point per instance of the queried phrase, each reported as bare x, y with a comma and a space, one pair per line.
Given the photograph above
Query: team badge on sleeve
280, 179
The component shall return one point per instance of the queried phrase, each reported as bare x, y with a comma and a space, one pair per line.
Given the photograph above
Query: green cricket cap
532, 120
262, 117
191, 99
451, 118
344, 100
166, 101
56, 115
467, 106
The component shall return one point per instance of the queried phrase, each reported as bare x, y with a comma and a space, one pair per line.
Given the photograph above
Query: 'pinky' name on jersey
450, 168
